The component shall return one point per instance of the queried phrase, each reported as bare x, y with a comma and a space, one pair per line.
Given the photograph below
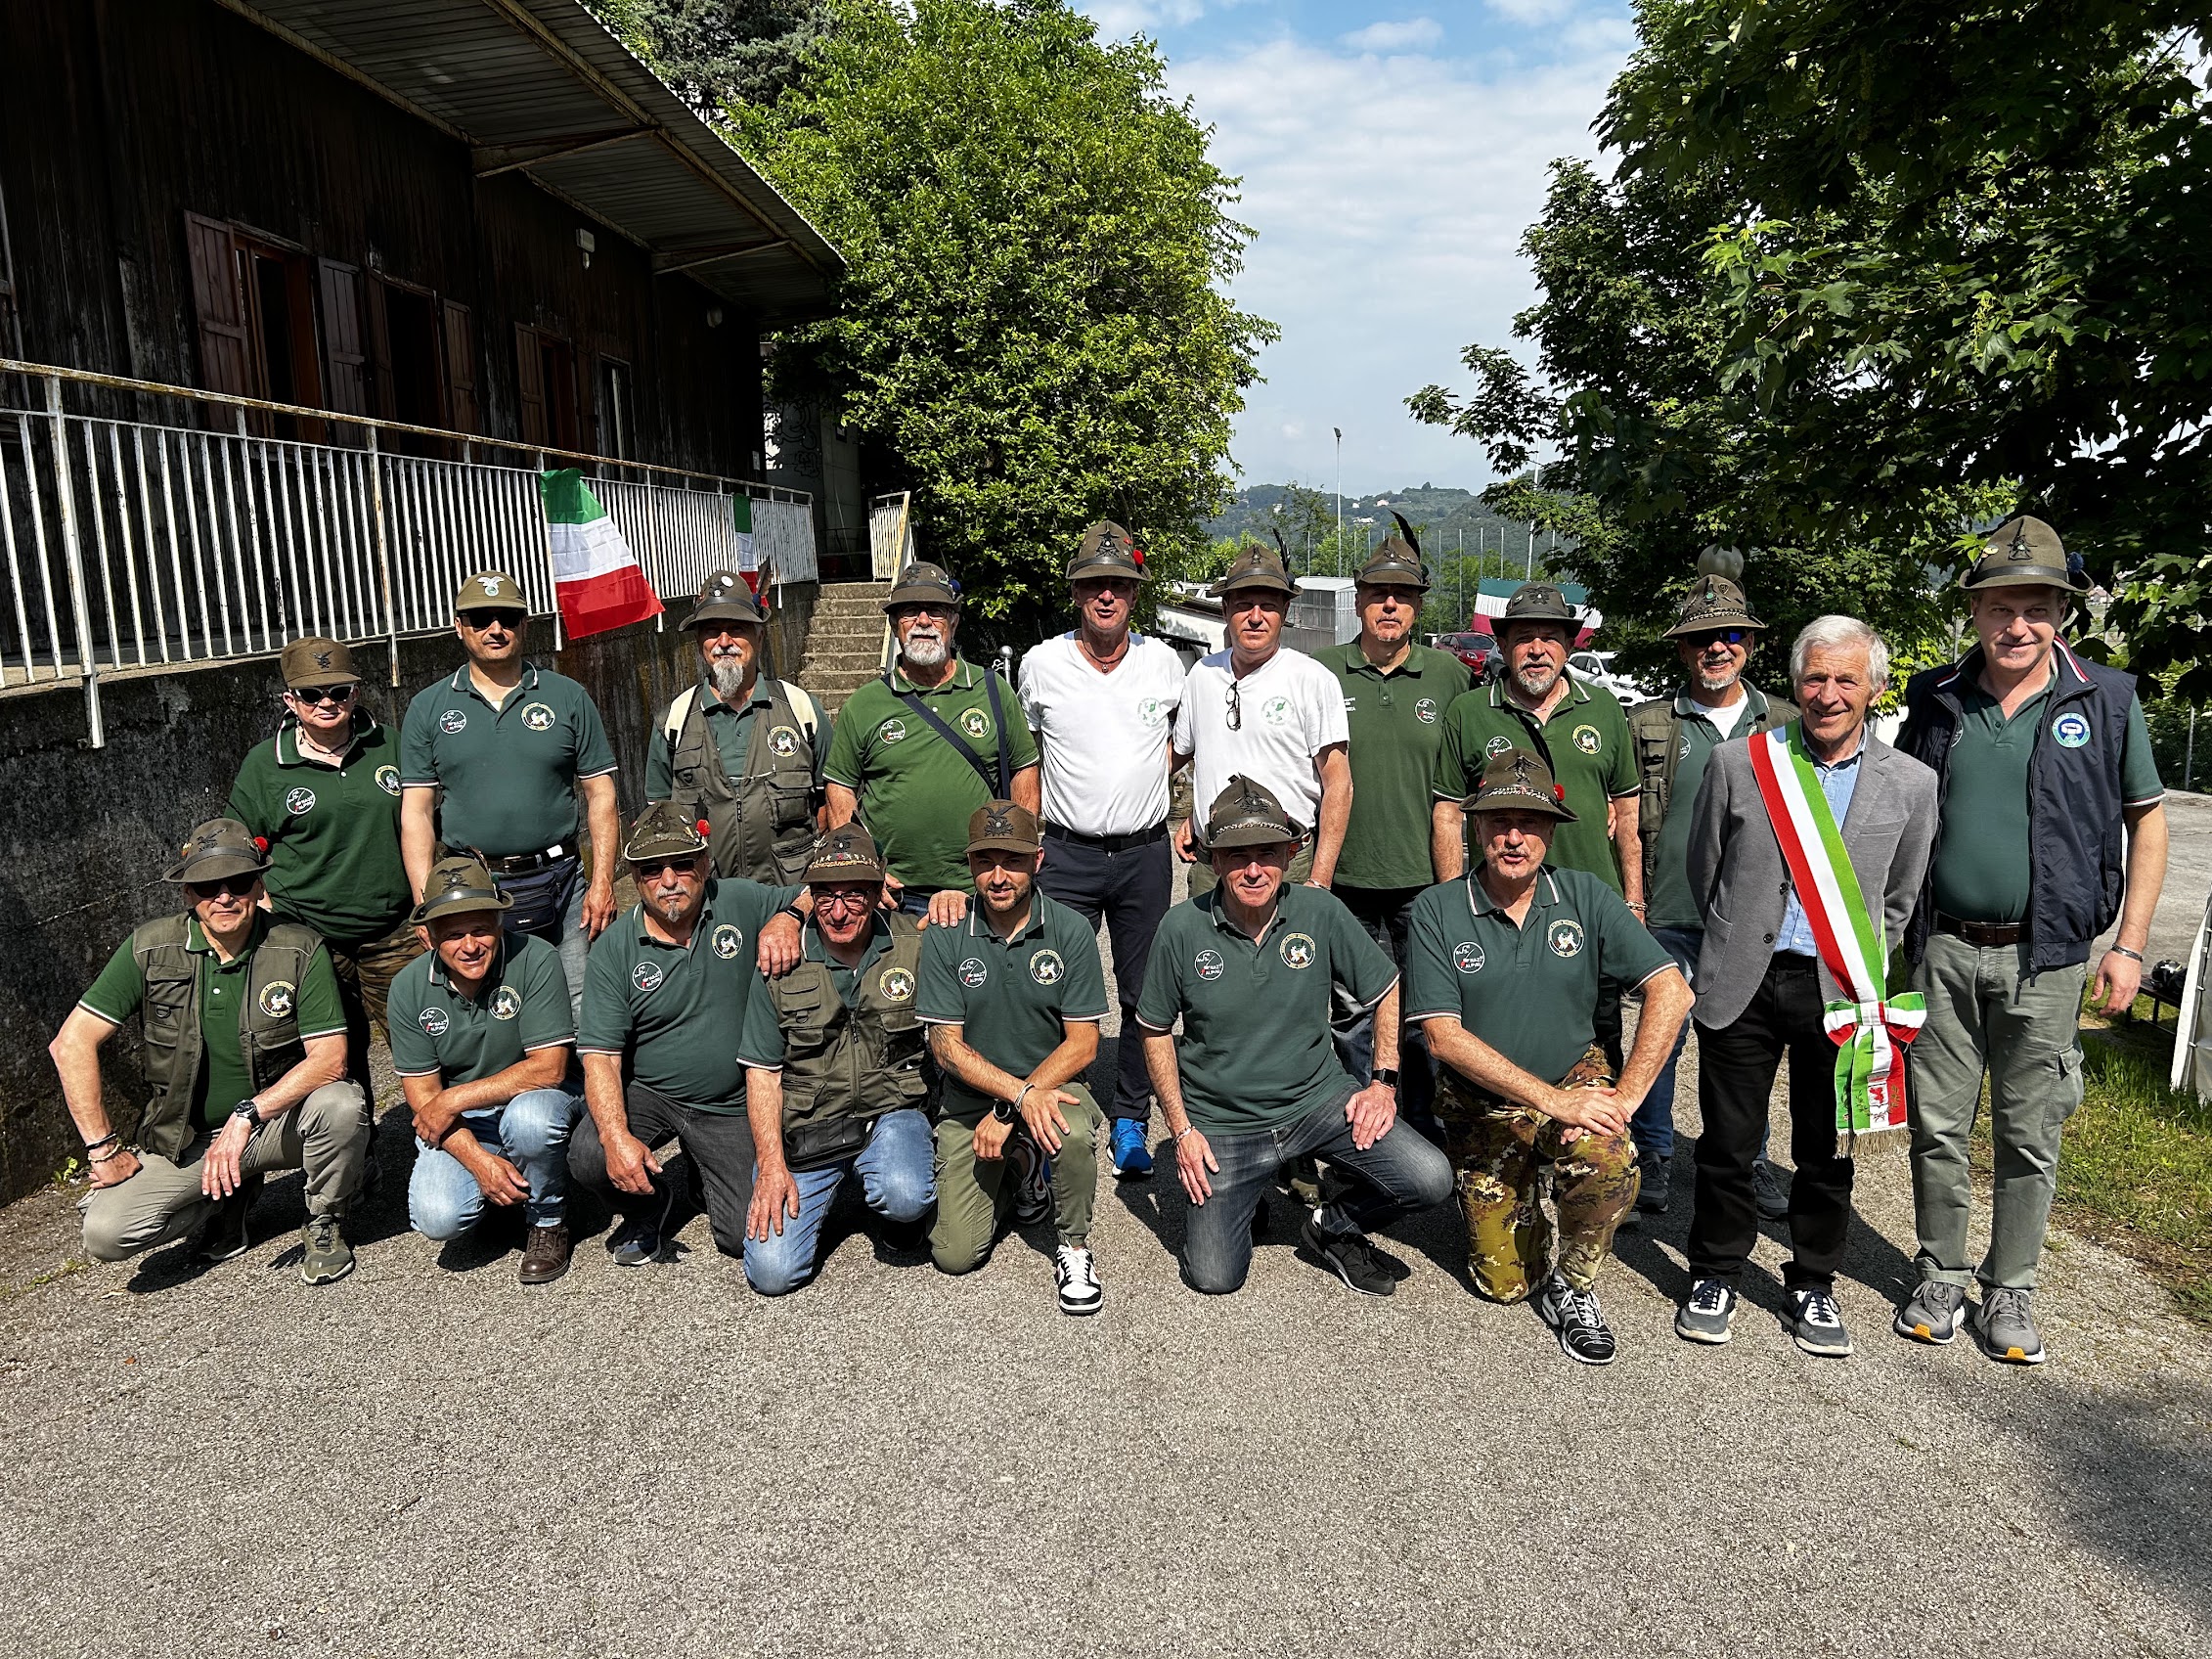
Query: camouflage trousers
1498, 1153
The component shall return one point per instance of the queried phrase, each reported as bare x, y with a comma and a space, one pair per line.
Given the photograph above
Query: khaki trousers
327, 1134
975, 1199
365, 970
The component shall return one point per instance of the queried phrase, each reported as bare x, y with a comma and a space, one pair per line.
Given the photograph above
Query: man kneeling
1503, 967
1012, 997
833, 1081
481, 1039
1252, 968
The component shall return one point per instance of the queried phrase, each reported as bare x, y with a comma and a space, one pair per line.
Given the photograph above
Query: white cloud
1390, 218
1395, 37
1118, 20
1531, 11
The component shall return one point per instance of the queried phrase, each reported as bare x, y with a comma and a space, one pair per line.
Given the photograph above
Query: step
854, 665
872, 592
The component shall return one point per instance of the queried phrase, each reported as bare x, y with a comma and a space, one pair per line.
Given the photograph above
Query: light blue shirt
1838, 783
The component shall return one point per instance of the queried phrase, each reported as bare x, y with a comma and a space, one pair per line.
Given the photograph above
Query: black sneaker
1349, 1257
1652, 1195
636, 1243
1816, 1324
1770, 1190
1033, 1181
1708, 1314
1584, 1334
223, 1235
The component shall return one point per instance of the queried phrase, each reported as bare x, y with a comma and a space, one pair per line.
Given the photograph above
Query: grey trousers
1987, 1013
327, 1134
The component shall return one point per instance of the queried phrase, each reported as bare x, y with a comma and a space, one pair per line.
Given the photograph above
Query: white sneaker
1077, 1279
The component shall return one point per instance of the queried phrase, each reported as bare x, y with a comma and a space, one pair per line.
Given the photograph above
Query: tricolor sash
1868, 1025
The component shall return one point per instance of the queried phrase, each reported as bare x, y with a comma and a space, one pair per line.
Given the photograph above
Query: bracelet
2123, 950
1187, 1129
1638, 906
108, 1157
108, 1140
1023, 1096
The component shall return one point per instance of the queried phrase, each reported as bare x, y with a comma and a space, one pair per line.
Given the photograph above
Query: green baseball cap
456, 885
219, 847
725, 599
2023, 553
1517, 780
1107, 550
491, 589
665, 830
1245, 814
317, 661
846, 853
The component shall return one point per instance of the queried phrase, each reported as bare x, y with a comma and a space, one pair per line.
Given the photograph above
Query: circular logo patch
975, 723
726, 940
506, 1002
277, 998
1276, 711
1586, 738
1497, 745
453, 720
1425, 711
1295, 950
299, 802
1210, 965
646, 976
783, 743
1046, 968
388, 780
433, 1022
1152, 712
1565, 938
1467, 956
539, 717
1682, 750
896, 984
973, 974
892, 730
2071, 730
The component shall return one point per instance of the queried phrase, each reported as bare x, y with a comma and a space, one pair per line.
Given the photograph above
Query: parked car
1473, 649
1595, 668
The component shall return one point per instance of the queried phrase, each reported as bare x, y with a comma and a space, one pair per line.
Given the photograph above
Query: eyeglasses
223, 887
652, 868
1721, 636
1236, 707
479, 621
933, 612
831, 898
319, 695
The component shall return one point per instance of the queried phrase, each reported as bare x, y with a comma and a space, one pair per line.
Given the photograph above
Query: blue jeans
1398, 1174
530, 1132
1653, 1126
549, 905
898, 1171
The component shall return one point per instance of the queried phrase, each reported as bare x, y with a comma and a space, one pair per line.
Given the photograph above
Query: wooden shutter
345, 359
225, 357
530, 382
460, 369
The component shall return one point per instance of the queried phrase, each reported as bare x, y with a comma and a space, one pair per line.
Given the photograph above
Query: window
615, 436
255, 301
545, 375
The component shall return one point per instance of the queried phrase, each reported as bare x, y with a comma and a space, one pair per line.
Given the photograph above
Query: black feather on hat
1406, 530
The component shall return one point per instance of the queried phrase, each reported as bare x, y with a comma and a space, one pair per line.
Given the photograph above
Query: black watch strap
1383, 1074
795, 913
1004, 1111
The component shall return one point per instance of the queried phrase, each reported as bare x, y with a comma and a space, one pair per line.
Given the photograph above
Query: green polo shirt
673, 1012
439, 1030
1667, 899
1981, 850
732, 732
510, 772
1397, 722
760, 1044
224, 1078
1011, 998
1531, 991
915, 791
332, 831
1256, 1051
1591, 755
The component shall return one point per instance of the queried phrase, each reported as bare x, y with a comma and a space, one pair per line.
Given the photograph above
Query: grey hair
1835, 633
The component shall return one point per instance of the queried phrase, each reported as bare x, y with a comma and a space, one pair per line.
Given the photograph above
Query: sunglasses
317, 696
224, 886
933, 612
479, 621
1721, 636
654, 867
1236, 707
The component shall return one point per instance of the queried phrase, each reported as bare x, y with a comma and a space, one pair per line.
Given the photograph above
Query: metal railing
131, 543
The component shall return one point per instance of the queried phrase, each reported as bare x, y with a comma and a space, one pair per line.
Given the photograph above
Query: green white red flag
596, 578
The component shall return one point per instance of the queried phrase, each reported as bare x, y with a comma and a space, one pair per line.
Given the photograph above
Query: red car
1473, 649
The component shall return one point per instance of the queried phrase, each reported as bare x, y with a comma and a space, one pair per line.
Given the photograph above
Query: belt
523, 864
1107, 843
1980, 932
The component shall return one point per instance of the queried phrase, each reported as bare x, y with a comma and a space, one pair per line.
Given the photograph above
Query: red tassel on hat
1559, 793
260, 843
701, 826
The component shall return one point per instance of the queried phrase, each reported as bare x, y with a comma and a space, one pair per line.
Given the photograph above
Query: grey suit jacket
1741, 884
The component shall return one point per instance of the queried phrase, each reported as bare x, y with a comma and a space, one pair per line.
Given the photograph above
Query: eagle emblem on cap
490, 585
322, 658
1524, 772
2020, 553
999, 822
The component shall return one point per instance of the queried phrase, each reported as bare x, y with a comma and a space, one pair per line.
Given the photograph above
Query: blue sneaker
1132, 1158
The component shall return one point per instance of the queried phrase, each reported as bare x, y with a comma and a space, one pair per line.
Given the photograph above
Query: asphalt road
427, 1458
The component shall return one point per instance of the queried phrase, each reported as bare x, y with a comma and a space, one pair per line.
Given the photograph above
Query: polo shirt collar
1479, 898
713, 699
962, 679
1411, 668
195, 936
1222, 920
462, 683
363, 728
978, 928
1576, 691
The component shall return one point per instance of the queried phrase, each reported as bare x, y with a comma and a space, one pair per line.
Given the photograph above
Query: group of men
866, 949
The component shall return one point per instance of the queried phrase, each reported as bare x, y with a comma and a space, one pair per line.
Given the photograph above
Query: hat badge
321, 660
2020, 553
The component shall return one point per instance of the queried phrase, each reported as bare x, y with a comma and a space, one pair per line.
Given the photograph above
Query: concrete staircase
844, 642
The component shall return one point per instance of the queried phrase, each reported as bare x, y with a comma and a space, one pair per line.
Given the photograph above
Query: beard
1535, 683
726, 674
1721, 681
924, 652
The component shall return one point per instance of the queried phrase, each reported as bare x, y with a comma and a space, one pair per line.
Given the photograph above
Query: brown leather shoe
545, 1256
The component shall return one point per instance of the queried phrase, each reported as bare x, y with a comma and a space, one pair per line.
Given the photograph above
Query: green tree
719, 52
1033, 321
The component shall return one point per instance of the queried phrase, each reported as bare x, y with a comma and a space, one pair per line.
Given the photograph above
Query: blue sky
1392, 155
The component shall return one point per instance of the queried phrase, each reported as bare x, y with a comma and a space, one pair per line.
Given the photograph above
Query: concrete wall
85, 835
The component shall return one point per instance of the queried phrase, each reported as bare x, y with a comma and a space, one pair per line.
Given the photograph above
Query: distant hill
1446, 518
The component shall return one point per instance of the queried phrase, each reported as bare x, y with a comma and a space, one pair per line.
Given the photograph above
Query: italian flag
741, 529
595, 575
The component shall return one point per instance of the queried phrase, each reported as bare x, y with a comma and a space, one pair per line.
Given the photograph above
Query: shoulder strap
935, 723
803, 705
680, 711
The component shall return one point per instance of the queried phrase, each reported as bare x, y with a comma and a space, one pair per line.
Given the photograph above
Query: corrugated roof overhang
540, 87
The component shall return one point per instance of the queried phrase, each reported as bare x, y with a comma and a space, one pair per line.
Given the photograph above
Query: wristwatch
248, 1112
1004, 1111
794, 913
1383, 1074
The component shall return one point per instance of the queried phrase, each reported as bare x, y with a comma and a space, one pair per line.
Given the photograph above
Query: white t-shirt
1726, 720
1102, 738
1290, 708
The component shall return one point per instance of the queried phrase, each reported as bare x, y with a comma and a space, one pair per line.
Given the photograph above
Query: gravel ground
427, 1458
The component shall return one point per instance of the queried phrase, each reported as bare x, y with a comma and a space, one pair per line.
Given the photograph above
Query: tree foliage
719, 52
1033, 322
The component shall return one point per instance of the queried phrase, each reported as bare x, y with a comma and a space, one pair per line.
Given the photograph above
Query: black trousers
718, 1145
1385, 913
1735, 1068
1130, 891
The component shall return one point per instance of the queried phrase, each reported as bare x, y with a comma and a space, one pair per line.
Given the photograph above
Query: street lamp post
1339, 431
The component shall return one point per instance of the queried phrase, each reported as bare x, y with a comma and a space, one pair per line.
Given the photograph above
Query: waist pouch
826, 1141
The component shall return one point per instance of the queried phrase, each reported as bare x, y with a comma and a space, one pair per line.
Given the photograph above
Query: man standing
1673, 738
244, 1049
1395, 696
513, 747
667, 993
1503, 968
2049, 790
918, 751
1012, 997
833, 1081
323, 794
482, 1038
742, 749
1101, 702
1252, 968
1805, 855
1260, 711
